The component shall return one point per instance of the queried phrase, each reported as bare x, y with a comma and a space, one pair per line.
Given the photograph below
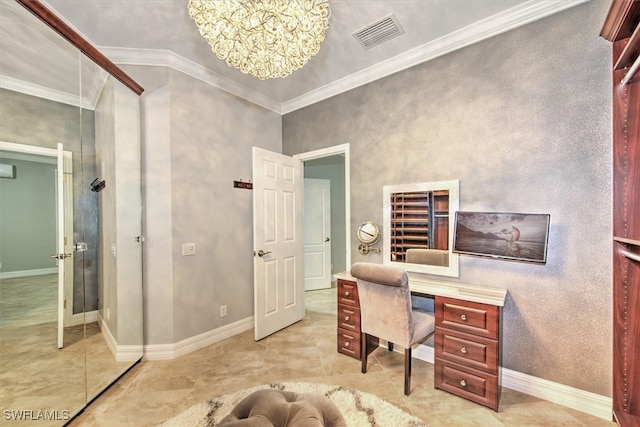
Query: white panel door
317, 234
277, 238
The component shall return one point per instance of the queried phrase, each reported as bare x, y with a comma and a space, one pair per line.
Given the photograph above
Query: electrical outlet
223, 311
188, 249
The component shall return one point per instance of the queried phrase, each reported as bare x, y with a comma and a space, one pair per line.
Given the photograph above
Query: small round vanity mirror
368, 233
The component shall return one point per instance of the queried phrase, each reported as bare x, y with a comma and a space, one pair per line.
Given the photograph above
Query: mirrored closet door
70, 224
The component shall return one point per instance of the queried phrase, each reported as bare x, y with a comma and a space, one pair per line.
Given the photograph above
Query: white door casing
344, 151
317, 234
278, 242
60, 256
69, 244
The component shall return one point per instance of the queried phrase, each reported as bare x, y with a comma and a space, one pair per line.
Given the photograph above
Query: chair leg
389, 345
363, 351
407, 371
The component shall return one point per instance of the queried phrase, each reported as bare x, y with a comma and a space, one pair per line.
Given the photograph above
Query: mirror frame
453, 186
59, 26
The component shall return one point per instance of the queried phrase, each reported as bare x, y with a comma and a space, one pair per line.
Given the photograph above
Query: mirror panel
51, 93
418, 227
40, 107
114, 333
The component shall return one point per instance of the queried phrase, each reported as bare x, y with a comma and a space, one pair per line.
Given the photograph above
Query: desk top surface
462, 291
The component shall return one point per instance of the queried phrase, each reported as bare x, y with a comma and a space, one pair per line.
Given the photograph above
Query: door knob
327, 239
262, 253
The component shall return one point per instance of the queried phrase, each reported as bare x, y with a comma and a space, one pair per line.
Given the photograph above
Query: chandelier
264, 38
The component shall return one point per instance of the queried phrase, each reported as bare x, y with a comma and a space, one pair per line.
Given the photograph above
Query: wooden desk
468, 345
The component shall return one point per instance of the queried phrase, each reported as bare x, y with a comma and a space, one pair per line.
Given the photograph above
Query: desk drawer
349, 318
348, 293
468, 350
349, 343
468, 317
477, 386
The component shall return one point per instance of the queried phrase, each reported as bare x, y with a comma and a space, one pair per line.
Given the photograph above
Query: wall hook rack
242, 184
97, 185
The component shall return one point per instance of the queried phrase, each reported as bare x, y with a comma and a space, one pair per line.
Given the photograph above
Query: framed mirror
70, 311
418, 227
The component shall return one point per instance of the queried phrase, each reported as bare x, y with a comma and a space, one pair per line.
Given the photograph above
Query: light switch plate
188, 249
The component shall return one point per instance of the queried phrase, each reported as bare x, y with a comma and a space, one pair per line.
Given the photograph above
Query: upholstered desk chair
436, 257
386, 312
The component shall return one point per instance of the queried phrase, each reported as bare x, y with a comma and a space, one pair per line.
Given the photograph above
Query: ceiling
160, 32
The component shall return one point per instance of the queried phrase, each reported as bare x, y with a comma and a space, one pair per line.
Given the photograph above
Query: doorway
333, 164
30, 223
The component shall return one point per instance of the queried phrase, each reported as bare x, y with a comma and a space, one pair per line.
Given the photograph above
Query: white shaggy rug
359, 409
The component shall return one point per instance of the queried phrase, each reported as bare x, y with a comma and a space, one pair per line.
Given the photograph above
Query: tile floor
154, 391
36, 375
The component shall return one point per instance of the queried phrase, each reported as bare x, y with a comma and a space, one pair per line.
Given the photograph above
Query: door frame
25, 149
342, 149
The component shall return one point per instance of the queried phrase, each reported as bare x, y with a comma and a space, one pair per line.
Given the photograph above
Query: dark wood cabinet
348, 319
467, 350
349, 340
468, 331
623, 30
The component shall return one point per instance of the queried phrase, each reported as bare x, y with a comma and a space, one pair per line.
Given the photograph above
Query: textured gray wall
28, 217
197, 141
106, 170
35, 121
524, 121
118, 163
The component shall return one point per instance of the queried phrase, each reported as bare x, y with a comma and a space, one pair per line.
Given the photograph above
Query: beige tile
153, 392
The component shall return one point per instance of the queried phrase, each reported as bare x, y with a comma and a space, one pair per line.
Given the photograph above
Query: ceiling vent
379, 32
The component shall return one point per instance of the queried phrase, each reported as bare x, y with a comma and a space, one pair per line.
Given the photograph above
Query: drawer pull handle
346, 318
463, 350
464, 317
348, 337
346, 294
463, 383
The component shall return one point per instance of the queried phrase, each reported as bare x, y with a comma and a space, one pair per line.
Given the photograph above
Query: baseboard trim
172, 351
82, 318
122, 353
580, 400
27, 273
108, 337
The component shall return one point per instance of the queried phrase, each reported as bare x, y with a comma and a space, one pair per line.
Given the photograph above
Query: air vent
379, 32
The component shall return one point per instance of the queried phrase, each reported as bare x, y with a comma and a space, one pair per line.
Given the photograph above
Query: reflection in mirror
50, 95
114, 335
418, 232
41, 340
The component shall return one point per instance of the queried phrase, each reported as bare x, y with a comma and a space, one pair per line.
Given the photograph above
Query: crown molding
510, 19
167, 58
20, 86
515, 17
88, 100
